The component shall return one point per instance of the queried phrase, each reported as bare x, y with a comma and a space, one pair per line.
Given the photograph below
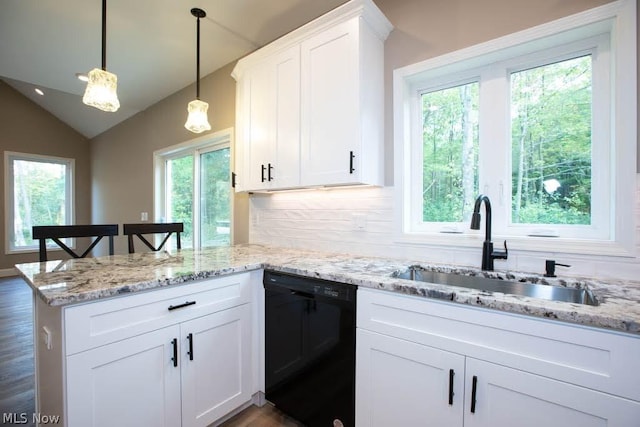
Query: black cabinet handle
351, 157
186, 304
474, 389
190, 352
269, 169
233, 180
174, 342
306, 295
262, 173
451, 393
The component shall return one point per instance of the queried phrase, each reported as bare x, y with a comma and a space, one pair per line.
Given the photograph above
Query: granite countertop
77, 280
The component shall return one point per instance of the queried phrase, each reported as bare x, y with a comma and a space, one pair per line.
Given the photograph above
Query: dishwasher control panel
310, 285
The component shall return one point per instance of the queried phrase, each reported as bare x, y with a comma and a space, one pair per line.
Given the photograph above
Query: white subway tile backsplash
324, 220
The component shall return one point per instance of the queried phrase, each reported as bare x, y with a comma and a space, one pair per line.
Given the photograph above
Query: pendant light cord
104, 35
197, 58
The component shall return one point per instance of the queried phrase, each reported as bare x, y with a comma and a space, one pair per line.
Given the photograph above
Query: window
541, 121
193, 187
38, 191
450, 153
551, 143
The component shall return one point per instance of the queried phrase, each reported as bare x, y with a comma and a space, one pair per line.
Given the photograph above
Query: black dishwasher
310, 328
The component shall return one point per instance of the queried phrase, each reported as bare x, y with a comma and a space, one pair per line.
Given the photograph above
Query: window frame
417, 178
197, 146
9, 157
487, 62
601, 145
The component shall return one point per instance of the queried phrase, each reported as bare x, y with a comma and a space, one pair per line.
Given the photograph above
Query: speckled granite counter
77, 280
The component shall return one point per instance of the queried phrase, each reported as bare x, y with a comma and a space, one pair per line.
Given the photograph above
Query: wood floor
267, 416
16, 350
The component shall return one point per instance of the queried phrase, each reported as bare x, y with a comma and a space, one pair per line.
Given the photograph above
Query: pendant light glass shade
101, 87
101, 90
197, 120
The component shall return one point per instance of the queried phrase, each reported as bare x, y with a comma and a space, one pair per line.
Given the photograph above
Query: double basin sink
534, 290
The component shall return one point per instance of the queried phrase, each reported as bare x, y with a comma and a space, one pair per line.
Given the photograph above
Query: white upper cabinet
310, 106
269, 123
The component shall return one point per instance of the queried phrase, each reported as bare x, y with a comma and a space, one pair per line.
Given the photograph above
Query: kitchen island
107, 317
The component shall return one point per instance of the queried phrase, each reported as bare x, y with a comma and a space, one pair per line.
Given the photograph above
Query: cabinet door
400, 383
330, 122
257, 124
216, 367
285, 163
270, 96
128, 383
506, 397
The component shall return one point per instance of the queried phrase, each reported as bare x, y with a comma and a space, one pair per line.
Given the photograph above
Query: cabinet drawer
98, 323
595, 358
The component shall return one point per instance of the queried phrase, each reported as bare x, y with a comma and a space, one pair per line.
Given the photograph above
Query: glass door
179, 196
197, 192
215, 197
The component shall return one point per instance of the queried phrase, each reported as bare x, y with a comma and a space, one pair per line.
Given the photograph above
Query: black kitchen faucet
488, 254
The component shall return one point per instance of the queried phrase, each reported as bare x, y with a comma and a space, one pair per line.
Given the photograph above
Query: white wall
324, 220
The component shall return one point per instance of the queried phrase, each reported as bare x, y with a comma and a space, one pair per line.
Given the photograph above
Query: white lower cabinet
179, 356
216, 368
438, 364
127, 383
142, 382
511, 397
401, 383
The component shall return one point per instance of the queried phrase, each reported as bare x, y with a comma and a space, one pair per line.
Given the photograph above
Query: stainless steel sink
548, 292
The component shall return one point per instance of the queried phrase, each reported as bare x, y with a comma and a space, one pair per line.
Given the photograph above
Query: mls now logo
23, 418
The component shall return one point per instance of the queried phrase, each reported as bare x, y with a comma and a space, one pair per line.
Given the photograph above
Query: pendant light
197, 120
102, 85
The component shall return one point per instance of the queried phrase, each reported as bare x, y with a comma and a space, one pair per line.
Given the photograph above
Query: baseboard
8, 272
258, 399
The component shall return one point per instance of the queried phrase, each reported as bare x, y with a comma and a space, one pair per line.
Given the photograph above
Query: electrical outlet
144, 216
46, 338
359, 221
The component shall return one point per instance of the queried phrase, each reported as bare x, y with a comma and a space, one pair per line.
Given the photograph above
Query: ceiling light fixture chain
197, 120
104, 35
198, 13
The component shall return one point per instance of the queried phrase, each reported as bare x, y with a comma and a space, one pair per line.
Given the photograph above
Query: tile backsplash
360, 221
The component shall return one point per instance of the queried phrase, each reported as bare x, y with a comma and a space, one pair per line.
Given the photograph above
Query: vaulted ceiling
150, 47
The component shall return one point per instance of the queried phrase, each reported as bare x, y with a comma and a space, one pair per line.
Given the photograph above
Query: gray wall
27, 128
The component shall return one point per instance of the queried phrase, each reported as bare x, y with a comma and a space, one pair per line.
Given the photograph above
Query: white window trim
618, 19
9, 156
209, 142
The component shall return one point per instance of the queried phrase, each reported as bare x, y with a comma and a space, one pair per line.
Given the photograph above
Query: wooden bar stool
57, 232
131, 230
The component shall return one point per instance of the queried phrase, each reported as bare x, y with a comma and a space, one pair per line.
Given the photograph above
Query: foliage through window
551, 143
39, 193
179, 195
197, 192
450, 150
